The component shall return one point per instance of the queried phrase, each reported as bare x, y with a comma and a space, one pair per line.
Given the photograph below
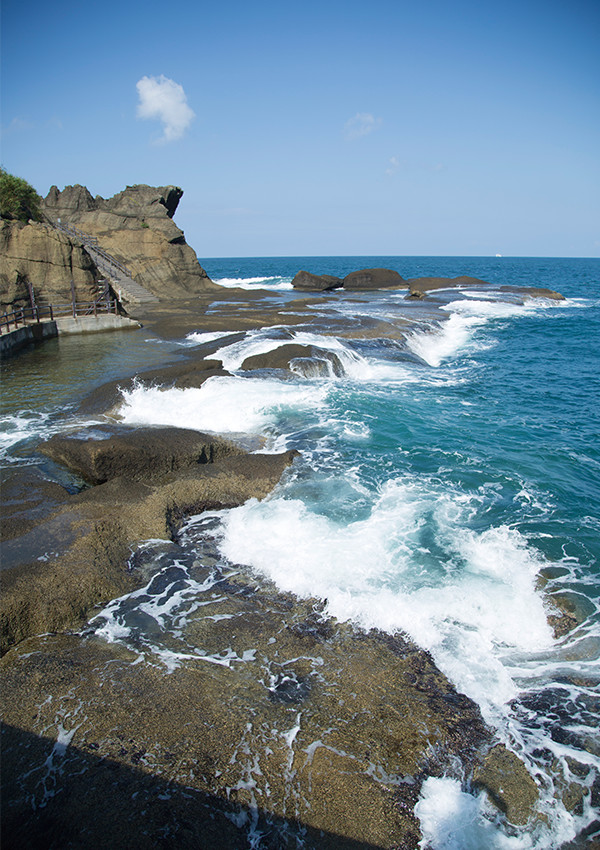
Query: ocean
448, 487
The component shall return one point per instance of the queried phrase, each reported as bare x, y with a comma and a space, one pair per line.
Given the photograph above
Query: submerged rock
425, 284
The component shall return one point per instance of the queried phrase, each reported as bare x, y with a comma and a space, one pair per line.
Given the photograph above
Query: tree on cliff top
18, 200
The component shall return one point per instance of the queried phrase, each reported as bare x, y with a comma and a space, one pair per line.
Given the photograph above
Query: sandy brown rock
76, 557
38, 254
311, 743
136, 226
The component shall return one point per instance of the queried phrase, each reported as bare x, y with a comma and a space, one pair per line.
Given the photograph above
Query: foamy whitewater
448, 487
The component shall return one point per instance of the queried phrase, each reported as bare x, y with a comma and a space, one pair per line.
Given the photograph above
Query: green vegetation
18, 200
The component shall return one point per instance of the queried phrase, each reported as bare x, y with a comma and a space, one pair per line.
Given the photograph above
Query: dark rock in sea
534, 292
309, 282
308, 359
374, 279
189, 373
143, 454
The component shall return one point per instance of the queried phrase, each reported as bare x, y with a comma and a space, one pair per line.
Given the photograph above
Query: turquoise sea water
449, 486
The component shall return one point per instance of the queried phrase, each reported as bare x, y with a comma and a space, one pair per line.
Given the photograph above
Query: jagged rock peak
145, 200
72, 199
139, 201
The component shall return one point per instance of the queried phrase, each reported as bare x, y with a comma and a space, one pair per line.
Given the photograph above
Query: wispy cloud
165, 100
394, 165
361, 124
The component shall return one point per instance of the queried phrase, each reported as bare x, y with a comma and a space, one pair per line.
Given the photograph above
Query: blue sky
320, 128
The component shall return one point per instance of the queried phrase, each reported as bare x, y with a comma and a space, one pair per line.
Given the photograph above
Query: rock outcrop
307, 360
49, 260
136, 227
147, 482
366, 279
309, 282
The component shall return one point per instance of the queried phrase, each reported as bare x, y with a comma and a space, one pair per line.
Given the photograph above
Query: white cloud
393, 166
362, 124
165, 100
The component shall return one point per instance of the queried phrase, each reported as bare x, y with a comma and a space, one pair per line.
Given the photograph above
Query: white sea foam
28, 425
18, 427
471, 603
454, 820
199, 338
355, 366
442, 341
254, 282
222, 404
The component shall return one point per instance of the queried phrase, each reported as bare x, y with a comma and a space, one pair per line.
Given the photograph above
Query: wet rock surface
143, 454
294, 357
257, 719
284, 725
73, 554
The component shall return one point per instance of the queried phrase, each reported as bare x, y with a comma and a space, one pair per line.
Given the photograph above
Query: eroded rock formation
49, 260
136, 226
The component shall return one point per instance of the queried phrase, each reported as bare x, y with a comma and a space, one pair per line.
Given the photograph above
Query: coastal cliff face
48, 259
136, 226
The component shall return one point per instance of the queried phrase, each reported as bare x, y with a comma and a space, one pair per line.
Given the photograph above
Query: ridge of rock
136, 227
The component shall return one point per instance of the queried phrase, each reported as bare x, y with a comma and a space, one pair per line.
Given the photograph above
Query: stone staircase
121, 281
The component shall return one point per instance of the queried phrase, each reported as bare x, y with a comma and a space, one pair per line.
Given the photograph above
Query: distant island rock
135, 227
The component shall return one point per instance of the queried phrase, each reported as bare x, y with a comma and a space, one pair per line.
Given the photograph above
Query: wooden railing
40, 313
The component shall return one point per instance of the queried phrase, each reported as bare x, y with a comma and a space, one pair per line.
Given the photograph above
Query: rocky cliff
135, 226
49, 260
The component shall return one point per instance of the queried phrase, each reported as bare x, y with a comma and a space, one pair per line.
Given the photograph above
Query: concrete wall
26, 335
92, 324
13, 341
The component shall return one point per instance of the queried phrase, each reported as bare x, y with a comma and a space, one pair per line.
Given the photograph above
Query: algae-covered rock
143, 454
509, 785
